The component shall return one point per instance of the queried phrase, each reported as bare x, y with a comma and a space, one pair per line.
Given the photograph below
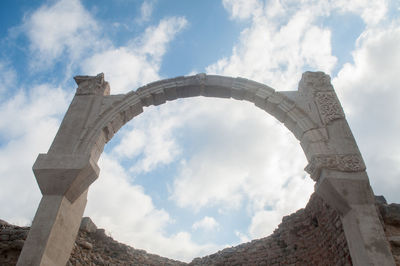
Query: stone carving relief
86, 86
201, 79
315, 81
343, 162
328, 106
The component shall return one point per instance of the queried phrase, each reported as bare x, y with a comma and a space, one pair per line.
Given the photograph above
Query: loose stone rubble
310, 236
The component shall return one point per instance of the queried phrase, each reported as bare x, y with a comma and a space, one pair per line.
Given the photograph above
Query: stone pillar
64, 175
352, 196
336, 164
53, 232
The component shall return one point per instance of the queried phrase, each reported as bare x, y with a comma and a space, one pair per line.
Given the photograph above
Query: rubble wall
310, 236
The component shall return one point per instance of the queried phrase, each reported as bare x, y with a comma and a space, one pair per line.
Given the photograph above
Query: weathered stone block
87, 225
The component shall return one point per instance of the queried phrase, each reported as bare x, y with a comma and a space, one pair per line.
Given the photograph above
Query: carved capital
92, 85
201, 79
69, 175
328, 106
314, 81
339, 162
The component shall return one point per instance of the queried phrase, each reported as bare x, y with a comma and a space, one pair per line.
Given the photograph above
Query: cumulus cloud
368, 88
291, 196
124, 69
29, 122
151, 141
64, 27
244, 158
138, 63
243, 155
372, 12
31, 119
243, 237
130, 216
284, 39
276, 52
206, 224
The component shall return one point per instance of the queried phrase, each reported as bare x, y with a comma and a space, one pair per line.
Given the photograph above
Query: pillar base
53, 232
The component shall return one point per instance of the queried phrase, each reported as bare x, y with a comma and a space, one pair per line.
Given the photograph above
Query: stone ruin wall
310, 236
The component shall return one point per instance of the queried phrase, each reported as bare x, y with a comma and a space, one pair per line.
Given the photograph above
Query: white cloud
155, 39
368, 90
29, 122
236, 157
22, 113
286, 38
243, 237
242, 154
146, 9
132, 143
263, 223
7, 76
64, 27
128, 205
206, 224
372, 12
131, 217
276, 53
128, 67
123, 68
243, 9
151, 141
291, 197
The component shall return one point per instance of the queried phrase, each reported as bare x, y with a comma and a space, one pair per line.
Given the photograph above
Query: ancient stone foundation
311, 236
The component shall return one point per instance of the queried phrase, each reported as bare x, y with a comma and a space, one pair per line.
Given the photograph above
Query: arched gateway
313, 114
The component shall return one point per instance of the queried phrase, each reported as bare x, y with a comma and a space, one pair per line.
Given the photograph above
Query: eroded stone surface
310, 236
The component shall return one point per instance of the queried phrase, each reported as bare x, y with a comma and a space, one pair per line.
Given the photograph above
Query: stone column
64, 175
53, 232
352, 196
336, 164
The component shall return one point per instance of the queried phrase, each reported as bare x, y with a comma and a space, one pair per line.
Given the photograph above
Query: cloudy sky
193, 176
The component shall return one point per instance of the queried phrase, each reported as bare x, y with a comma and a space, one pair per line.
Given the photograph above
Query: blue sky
193, 176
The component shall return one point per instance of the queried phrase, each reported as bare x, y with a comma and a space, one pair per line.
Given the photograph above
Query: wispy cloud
206, 224
137, 63
243, 9
8, 76
146, 10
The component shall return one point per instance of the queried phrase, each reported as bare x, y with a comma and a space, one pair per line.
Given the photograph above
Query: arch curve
120, 109
313, 114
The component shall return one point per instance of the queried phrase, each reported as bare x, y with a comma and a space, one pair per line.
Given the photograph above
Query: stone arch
313, 114
126, 107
